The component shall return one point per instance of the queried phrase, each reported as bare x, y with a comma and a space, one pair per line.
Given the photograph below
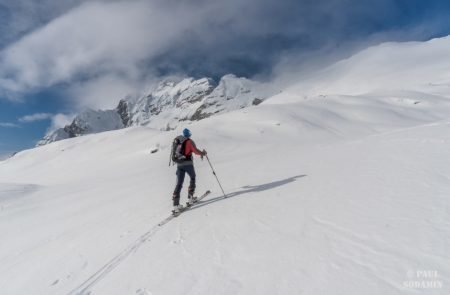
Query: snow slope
329, 193
413, 66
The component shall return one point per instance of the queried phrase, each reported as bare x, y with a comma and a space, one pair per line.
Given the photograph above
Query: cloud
60, 121
35, 117
92, 42
8, 125
100, 50
104, 91
19, 17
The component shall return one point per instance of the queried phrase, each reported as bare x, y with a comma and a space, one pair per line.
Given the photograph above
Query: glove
204, 153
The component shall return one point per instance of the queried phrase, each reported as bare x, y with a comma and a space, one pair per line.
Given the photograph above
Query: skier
183, 153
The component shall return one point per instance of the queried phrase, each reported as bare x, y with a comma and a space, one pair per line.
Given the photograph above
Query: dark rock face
257, 101
74, 130
199, 115
123, 111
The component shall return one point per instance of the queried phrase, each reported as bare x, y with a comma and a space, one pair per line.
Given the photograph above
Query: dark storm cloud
249, 37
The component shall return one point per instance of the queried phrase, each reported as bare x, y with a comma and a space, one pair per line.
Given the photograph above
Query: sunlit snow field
338, 185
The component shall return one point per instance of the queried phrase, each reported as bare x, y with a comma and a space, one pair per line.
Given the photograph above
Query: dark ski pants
181, 172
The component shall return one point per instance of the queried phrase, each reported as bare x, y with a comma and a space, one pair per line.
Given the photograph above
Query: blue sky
22, 134
58, 57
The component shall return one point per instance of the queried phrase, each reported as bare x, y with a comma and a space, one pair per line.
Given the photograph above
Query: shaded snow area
328, 193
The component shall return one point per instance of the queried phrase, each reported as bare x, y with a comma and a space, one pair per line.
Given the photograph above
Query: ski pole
214, 172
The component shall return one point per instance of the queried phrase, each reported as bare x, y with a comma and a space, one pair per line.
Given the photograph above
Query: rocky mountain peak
171, 102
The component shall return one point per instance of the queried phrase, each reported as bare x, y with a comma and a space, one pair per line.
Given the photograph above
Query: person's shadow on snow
249, 189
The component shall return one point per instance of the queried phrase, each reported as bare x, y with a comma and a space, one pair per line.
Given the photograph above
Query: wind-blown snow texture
332, 190
171, 102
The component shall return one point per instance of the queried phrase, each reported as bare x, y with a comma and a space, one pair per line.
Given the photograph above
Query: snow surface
331, 192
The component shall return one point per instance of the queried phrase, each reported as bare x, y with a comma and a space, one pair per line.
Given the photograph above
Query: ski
203, 196
172, 215
188, 206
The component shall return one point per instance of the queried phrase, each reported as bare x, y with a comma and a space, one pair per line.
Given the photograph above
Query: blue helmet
187, 132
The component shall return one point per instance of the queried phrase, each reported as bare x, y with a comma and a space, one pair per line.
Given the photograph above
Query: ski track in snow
113, 263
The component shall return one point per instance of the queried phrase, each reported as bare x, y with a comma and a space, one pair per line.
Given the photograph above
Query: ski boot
177, 209
191, 200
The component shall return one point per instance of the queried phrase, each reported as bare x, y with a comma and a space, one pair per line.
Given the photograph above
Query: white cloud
104, 48
35, 117
19, 17
94, 41
60, 121
8, 125
103, 92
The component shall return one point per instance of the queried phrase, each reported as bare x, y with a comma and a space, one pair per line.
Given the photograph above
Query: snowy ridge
420, 67
87, 122
192, 100
329, 192
171, 102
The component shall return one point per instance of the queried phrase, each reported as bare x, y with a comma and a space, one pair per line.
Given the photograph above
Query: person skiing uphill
183, 151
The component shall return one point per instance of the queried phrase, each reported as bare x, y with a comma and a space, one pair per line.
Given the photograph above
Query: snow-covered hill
172, 101
331, 191
87, 122
382, 70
